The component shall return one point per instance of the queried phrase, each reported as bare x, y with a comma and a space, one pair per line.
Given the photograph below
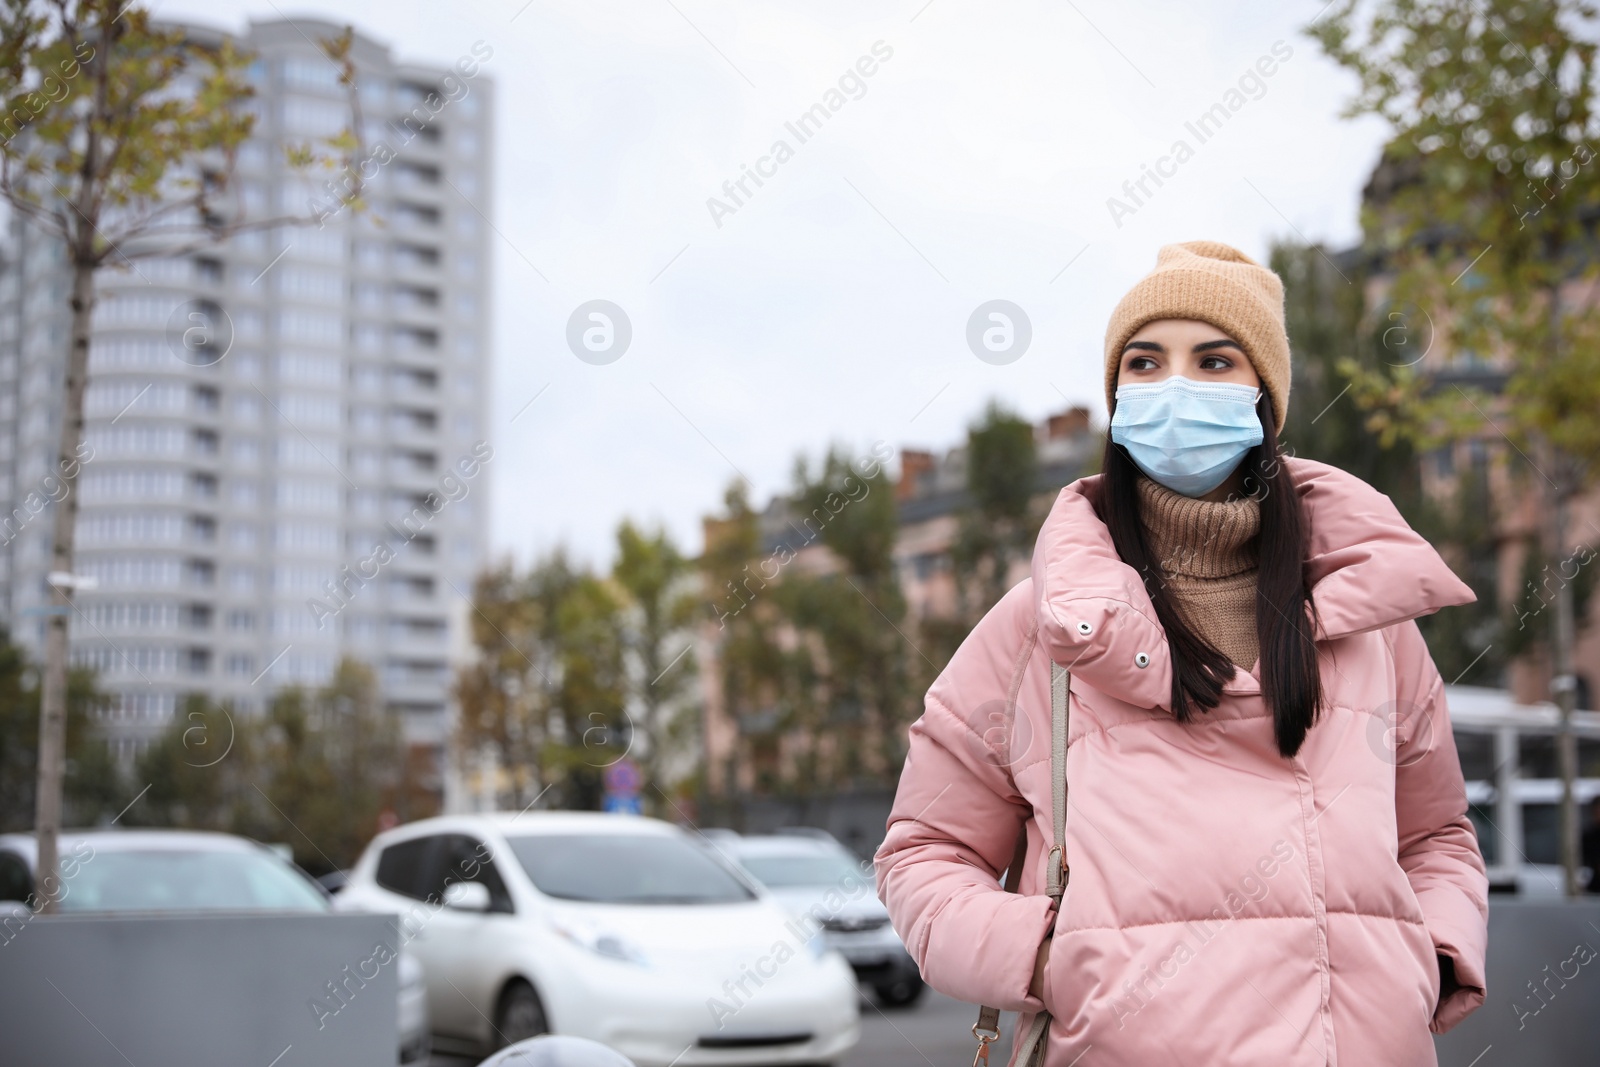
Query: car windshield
188, 880
786, 870
626, 869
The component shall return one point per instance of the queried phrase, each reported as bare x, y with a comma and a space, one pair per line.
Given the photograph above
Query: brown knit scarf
1207, 551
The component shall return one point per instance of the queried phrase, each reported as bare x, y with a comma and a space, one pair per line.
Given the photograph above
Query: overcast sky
831, 303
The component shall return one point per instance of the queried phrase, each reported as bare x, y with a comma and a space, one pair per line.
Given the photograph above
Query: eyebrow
1206, 346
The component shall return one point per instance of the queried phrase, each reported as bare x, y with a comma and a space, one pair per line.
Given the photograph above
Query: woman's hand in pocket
1036, 987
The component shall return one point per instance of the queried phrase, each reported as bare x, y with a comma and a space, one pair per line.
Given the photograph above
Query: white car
191, 871
827, 887
618, 928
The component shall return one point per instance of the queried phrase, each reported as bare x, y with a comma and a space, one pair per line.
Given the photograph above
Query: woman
1267, 836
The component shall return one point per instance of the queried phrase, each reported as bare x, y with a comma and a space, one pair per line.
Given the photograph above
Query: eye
1215, 362
1141, 363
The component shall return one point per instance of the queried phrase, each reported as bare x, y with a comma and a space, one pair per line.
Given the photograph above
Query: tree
120, 141
860, 660
332, 760
661, 607
1337, 339
320, 768
999, 525
757, 676
1486, 219
547, 693
200, 771
93, 789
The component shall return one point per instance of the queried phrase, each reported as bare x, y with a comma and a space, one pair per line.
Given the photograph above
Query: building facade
286, 442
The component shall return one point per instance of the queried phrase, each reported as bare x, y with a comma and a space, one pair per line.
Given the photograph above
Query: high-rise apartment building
321, 488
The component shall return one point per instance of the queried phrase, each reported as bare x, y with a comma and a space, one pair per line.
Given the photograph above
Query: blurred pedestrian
1267, 855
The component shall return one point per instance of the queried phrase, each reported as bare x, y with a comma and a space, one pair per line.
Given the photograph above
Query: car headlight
600, 941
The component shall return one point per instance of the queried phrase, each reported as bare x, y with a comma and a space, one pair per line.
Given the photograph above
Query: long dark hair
1291, 682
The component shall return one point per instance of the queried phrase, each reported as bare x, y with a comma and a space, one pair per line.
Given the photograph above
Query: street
936, 1031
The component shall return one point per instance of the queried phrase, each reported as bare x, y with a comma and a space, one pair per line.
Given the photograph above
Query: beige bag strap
1030, 1052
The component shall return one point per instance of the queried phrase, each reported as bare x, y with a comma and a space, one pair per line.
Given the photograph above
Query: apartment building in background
229, 494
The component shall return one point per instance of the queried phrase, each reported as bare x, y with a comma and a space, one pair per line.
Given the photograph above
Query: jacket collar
1368, 570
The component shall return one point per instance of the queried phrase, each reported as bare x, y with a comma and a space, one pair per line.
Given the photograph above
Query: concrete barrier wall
1543, 1004
198, 991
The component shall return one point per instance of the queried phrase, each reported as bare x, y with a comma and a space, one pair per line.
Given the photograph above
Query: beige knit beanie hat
1214, 283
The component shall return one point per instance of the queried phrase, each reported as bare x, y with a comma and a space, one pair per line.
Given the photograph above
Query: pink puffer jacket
1226, 905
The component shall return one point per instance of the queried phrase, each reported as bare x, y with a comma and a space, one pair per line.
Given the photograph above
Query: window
311, 283
422, 867
207, 399
314, 118
306, 451
317, 538
1541, 833
627, 869
189, 880
302, 495
414, 175
466, 859
117, 398
326, 246
15, 881
123, 527
1536, 756
400, 867
313, 327
1476, 752
412, 215
307, 409
303, 72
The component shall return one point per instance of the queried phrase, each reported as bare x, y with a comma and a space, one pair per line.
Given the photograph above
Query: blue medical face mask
1187, 435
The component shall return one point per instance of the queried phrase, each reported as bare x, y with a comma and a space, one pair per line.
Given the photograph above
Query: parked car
189, 870
821, 881
618, 928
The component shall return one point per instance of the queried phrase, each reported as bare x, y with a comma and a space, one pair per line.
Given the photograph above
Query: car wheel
520, 1015
901, 992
